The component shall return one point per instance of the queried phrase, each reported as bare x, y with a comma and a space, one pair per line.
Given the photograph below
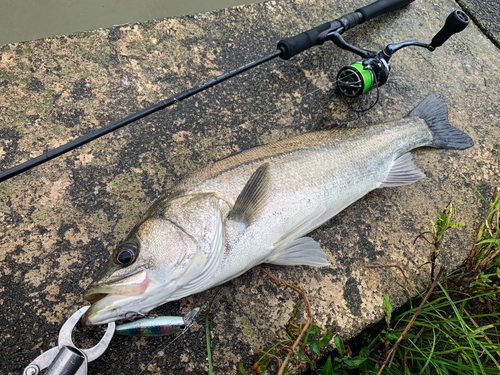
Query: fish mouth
94, 297
131, 285
110, 300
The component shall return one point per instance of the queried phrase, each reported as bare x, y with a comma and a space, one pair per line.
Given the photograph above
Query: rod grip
381, 7
318, 35
299, 43
456, 22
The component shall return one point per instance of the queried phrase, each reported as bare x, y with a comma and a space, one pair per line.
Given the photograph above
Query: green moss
149, 47
6, 75
6, 192
248, 328
132, 198
46, 106
137, 45
58, 129
148, 25
103, 54
27, 50
6, 189
52, 176
84, 34
99, 220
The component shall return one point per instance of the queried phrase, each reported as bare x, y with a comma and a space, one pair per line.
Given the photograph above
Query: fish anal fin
302, 251
253, 198
403, 172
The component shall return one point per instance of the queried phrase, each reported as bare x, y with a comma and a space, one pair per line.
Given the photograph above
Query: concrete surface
60, 221
486, 15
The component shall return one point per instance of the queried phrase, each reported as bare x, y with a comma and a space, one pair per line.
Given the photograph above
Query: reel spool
354, 80
358, 78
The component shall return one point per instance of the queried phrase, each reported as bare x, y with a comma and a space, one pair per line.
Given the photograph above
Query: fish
257, 207
158, 326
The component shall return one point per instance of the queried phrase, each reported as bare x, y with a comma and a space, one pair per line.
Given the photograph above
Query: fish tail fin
435, 113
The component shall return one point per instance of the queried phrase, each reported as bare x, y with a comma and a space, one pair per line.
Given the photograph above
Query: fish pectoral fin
253, 198
402, 172
304, 226
302, 251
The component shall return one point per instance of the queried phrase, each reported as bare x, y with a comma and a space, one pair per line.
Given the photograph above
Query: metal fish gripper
66, 358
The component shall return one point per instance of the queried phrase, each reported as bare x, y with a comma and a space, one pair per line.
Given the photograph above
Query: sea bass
256, 207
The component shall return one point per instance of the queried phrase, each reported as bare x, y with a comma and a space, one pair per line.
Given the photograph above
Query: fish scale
331, 172
255, 207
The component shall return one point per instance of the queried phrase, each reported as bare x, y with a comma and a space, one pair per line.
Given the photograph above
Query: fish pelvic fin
301, 251
293, 250
402, 172
434, 112
253, 198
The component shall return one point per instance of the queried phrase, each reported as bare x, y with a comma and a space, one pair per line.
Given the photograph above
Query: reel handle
456, 22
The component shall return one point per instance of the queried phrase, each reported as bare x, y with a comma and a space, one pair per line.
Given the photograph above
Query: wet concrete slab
60, 221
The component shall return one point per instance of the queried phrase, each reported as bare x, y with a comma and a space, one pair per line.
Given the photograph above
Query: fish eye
125, 255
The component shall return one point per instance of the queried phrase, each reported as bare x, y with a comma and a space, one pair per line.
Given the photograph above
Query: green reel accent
367, 76
354, 80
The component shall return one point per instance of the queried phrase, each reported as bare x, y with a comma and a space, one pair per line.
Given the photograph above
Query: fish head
162, 254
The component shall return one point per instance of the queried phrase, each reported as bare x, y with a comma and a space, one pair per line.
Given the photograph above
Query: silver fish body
256, 206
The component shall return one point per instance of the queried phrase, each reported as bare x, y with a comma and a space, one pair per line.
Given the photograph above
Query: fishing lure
158, 326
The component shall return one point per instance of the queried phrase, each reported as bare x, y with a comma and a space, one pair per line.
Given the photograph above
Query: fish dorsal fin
402, 172
253, 197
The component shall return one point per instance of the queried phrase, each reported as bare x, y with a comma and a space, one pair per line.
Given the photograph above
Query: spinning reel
373, 69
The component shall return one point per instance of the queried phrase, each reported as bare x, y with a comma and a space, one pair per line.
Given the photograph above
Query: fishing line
357, 111
186, 150
174, 339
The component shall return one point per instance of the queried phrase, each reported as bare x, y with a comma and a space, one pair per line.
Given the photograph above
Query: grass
304, 341
209, 354
451, 328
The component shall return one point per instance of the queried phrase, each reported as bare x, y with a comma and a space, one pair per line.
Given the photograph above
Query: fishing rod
354, 80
